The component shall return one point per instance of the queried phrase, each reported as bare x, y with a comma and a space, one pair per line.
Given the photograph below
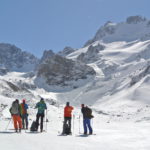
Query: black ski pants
67, 120
25, 121
40, 116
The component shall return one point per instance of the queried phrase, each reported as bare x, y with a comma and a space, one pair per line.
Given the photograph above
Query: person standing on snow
24, 114
41, 106
87, 115
67, 118
16, 112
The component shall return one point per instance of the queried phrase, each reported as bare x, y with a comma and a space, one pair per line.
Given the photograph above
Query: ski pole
8, 124
92, 122
79, 124
73, 123
46, 120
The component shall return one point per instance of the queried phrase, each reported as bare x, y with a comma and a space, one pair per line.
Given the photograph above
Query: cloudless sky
38, 25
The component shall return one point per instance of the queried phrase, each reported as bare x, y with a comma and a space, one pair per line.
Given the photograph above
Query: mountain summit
135, 28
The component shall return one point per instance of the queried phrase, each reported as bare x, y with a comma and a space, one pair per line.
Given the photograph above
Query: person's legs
37, 120
89, 126
41, 124
23, 118
64, 125
85, 126
19, 122
69, 123
26, 120
15, 122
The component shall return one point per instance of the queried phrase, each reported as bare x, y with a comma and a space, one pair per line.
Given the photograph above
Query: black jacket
87, 113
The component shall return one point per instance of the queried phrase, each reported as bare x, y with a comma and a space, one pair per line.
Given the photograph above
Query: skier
24, 114
15, 112
41, 106
67, 119
87, 115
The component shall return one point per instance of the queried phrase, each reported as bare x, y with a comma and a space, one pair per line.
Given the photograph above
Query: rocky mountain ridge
14, 59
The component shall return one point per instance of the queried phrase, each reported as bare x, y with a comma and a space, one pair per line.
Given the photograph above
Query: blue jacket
41, 106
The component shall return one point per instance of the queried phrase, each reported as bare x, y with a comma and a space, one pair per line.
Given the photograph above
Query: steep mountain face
14, 59
91, 54
135, 28
59, 71
66, 51
47, 54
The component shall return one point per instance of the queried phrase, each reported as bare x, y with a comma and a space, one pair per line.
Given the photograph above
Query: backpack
14, 110
89, 113
34, 126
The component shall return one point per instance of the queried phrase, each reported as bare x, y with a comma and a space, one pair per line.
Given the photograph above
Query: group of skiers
20, 116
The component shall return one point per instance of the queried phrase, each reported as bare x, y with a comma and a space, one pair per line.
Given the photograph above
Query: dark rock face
66, 51
47, 55
12, 57
142, 74
58, 70
91, 54
135, 19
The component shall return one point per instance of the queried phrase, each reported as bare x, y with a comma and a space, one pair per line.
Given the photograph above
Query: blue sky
36, 25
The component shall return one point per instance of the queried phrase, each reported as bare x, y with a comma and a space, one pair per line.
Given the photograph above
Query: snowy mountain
111, 72
14, 59
55, 70
135, 28
120, 55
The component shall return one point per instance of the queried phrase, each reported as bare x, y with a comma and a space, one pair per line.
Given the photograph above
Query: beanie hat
67, 103
23, 100
42, 99
82, 105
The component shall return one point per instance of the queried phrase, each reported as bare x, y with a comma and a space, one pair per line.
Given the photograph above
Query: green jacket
41, 106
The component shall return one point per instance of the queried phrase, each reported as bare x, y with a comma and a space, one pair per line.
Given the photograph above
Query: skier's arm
26, 106
36, 105
10, 111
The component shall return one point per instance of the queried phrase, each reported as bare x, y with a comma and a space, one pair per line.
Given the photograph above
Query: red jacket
68, 111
